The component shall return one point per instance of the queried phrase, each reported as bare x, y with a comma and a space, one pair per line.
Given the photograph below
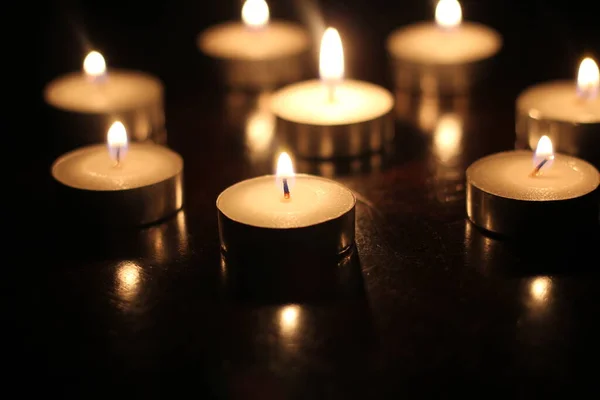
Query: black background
443, 307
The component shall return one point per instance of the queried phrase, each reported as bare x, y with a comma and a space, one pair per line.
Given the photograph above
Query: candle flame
255, 13
94, 65
331, 58
588, 78
285, 174
285, 167
448, 13
117, 141
544, 154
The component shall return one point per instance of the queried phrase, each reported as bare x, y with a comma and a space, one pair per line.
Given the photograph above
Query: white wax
355, 101
90, 167
428, 43
259, 202
559, 101
507, 175
119, 90
234, 40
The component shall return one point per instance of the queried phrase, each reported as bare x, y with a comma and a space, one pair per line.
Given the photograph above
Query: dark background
441, 307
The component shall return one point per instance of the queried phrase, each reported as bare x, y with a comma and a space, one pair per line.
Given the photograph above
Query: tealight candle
88, 103
257, 53
126, 184
286, 214
520, 192
568, 112
334, 117
443, 56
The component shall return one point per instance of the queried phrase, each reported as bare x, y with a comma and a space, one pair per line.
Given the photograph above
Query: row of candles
333, 117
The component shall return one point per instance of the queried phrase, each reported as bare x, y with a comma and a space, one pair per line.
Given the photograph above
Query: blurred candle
257, 53
567, 111
86, 103
440, 56
333, 116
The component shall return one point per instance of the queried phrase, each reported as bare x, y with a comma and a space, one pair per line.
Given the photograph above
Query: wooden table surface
427, 304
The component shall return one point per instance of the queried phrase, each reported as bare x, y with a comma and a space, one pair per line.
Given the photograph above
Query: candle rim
296, 176
558, 157
393, 37
276, 100
523, 102
273, 25
176, 157
155, 85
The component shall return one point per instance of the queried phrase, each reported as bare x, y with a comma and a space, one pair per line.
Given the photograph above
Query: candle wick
286, 189
536, 170
118, 156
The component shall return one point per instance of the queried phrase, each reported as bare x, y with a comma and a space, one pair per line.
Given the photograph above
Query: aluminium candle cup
248, 244
262, 74
312, 132
532, 212
117, 203
578, 137
132, 97
438, 79
257, 60
337, 141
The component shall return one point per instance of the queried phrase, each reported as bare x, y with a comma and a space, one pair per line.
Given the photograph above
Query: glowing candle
121, 182
334, 117
567, 111
294, 211
440, 56
518, 191
257, 52
88, 102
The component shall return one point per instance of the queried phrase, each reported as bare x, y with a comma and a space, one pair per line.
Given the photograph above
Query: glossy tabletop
426, 304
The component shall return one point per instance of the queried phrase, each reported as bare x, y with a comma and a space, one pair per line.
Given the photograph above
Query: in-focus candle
122, 183
334, 117
286, 214
520, 192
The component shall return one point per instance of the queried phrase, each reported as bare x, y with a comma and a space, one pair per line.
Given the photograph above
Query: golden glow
94, 64
448, 13
255, 13
588, 78
331, 58
117, 140
260, 128
447, 137
289, 319
540, 288
285, 168
544, 151
128, 280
